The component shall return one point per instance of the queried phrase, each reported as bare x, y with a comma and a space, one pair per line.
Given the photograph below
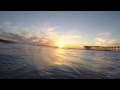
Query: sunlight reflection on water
36, 62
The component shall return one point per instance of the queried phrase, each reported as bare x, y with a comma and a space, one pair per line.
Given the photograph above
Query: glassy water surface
22, 61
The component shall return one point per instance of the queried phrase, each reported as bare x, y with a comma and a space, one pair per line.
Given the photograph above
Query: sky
67, 29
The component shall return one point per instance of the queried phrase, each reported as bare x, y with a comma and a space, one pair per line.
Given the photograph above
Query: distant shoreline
6, 41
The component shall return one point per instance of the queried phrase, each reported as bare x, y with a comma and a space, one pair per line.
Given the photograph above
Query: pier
104, 48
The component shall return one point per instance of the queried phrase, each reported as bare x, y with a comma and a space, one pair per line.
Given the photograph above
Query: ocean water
22, 61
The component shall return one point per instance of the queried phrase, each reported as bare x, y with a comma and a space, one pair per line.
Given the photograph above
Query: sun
60, 44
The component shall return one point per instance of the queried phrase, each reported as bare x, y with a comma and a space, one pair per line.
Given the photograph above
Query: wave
37, 62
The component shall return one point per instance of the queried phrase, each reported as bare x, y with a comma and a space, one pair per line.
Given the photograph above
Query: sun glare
60, 44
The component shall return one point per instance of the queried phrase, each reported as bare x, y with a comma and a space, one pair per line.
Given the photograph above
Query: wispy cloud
51, 33
53, 28
7, 24
100, 41
38, 35
105, 34
113, 42
104, 39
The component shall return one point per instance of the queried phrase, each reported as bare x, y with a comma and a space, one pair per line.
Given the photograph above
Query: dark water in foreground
20, 61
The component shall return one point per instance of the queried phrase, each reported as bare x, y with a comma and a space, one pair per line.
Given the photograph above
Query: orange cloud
44, 35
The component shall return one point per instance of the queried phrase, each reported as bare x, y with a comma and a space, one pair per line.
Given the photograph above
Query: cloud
104, 39
47, 33
112, 42
4, 34
49, 29
105, 34
100, 41
14, 33
71, 35
7, 24
12, 36
43, 35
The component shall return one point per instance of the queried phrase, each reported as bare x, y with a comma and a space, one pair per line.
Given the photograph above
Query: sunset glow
61, 29
60, 44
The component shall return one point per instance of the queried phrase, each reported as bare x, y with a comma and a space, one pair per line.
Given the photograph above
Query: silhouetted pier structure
105, 48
